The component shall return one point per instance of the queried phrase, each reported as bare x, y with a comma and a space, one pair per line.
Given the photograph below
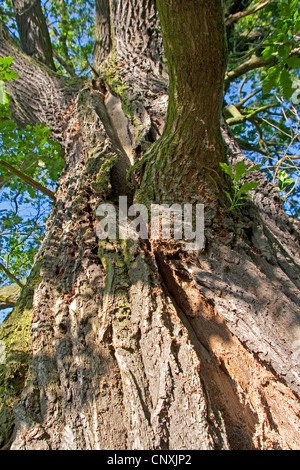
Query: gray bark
33, 31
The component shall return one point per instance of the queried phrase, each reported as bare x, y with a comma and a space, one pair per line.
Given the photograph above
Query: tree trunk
132, 345
185, 164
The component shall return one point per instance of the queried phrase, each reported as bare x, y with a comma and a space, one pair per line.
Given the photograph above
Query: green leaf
254, 168
227, 169
293, 62
271, 80
286, 84
228, 195
4, 99
268, 52
247, 186
240, 170
5, 72
6, 62
284, 51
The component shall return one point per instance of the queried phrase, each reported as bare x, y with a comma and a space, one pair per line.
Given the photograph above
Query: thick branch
39, 95
33, 31
255, 63
9, 295
103, 39
191, 147
251, 64
128, 47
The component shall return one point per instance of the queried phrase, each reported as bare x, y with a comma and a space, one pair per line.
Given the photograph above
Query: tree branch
11, 276
242, 14
251, 64
66, 66
241, 103
255, 63
27, 179
245, 145
238, 117
103, 31
33, 31
9, 295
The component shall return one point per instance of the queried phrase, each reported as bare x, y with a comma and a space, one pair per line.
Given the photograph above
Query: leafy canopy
263, 89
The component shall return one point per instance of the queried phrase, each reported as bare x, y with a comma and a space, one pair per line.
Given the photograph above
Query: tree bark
33, 31
134, 345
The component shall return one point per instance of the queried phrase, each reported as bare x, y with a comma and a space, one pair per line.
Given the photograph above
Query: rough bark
33, 31
147, 346
38, 95
103, 38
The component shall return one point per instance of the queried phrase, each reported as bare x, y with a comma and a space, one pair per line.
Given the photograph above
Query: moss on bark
184, 164
16, 335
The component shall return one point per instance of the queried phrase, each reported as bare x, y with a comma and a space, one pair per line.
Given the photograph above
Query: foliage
280, 43
23, 210
6, 73
71, 28
240, 190
263, 91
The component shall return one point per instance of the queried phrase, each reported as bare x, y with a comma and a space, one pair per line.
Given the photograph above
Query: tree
123, 344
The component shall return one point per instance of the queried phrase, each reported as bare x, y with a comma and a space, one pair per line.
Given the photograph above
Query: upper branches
263, 86
247, 12
33, 31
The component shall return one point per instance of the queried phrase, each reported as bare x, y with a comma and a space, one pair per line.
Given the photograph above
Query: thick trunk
146, 346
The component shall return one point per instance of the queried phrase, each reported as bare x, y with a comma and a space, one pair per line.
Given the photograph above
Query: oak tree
141, 344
